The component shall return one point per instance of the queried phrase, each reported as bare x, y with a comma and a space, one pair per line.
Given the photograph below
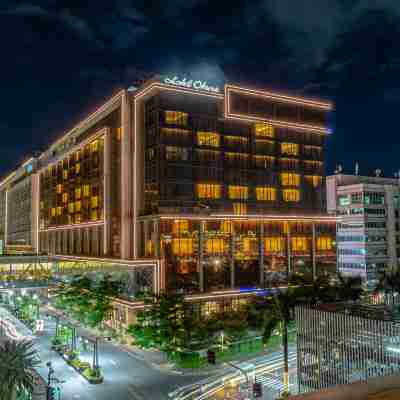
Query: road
127, 375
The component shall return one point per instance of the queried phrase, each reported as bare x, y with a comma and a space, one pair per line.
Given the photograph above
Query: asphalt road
127, 376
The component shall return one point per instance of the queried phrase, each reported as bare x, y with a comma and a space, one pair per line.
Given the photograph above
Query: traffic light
211, 356
257, 390
51, 393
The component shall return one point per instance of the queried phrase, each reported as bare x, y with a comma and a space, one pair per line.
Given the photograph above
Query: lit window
53, 212
78, 218
59, 211
94, 202
250, 245
71, 208
119, 133
273, 244
77, 155
238, 192
266, 193
236, 139
149, 248
291, 195
239, 208
315, 180
299, 243
180, 226
78, 193
86, 190
324, 243
59, 188
78, 206
290, 149
208, 191
65, 174
263, 161
264, 130
289, 179
208, 139
77, 168
215, 246
226, 227
94, 215
176, 118
94, 146
182, 246
65, 197
173, 153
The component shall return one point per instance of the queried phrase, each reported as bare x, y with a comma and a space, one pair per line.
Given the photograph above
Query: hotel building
368, 230
224, 187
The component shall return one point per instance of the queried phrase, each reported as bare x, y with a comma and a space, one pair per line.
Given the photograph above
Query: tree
348, 288
17, 363
388, 284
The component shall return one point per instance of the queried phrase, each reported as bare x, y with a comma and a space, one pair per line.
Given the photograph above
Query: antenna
356, 169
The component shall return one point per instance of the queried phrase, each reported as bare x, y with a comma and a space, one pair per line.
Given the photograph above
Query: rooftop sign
191, 84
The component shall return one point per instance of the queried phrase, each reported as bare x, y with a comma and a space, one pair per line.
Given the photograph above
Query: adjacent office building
225, 186
344, 343
368, 230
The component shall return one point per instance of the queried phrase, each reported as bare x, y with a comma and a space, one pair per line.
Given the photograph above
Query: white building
368, 238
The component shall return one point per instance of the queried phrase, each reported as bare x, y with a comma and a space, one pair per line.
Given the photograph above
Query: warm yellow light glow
208, 191
176, 118
291, 195
264, 161
324, 243
78, 206
86, 190
315, 180
215, 246
53, 212
235, 139
180, 226
94, 146
291, 149
59, 211
265, 193
71, 208
226, 227
78, 193
59, 188
94, 202
182, 246
263, 129
273, 244
299, 243
290, 179
208, 139
240, 208
238, 192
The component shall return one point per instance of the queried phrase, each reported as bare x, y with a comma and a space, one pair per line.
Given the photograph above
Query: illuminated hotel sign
191, 84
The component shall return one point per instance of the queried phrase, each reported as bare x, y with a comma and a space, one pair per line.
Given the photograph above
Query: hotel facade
223, 187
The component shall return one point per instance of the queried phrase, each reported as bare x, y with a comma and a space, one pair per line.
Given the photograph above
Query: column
156, 239
107, 192
35, 193
289, 255
145, 236
261, 255
314, 255
200, 256
232, 255
126, 178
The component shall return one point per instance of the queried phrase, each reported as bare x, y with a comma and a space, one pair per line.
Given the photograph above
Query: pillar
35, 192
261, 252
232, 255
201, 257
107, 192
156, 239
314, 255
289, 252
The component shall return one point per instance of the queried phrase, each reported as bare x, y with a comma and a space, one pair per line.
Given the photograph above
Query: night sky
61, 59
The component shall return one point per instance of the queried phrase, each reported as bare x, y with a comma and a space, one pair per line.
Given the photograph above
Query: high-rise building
368, 231
224, 185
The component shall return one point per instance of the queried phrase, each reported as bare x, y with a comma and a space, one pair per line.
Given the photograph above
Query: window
356, 198
208, 155
94, 146
239, 208
266, 193
315, 180
77, 155
78, 206
226, 227
176, 118
264, 130
250, 245
119, 133
71, 208
173, 153
291, 195
77, 168
208, 191
94, 202
291, 149
180, 226
86, 190
324, 243
94, 216
65, 198
78, 193
53, 212
299, 243
208, 139
215, 246
59, 211
78, 218
65, 174
343, 200
375, 211
289, 179
182, 246
59, 188
264, 161
273, 244
374, 198
238, 192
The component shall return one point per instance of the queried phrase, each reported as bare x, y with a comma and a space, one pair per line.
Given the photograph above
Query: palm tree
17, 363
